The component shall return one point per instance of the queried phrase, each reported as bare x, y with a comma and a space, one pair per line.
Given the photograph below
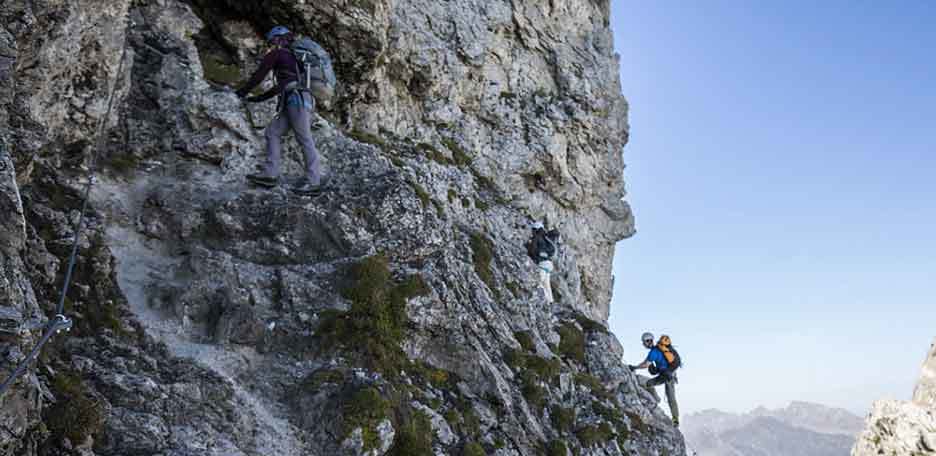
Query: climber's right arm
265, 67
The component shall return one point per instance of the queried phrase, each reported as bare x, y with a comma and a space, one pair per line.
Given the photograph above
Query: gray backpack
316, 73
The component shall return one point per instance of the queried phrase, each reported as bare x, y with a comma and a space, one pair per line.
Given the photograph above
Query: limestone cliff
901, 427
396, 314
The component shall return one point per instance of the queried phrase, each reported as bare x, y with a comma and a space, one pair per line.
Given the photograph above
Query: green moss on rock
220, 72
525, 339
473, 449
595, 434
75, 415
365, 137
590, 325
557, 448
483, 253
459, 156
421, 193
572, 342
374, 326
533, 392
563, 419
414, 437
593, 384
433, 154
315, 380
365, 409
637, 423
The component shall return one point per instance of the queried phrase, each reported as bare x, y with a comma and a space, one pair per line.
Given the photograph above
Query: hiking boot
306, 187
263, 180
319, 122
676, 422
263, 177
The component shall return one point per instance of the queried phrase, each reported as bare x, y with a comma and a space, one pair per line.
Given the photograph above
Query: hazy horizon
780, 168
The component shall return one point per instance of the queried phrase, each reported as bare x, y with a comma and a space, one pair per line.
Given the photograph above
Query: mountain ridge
799, 429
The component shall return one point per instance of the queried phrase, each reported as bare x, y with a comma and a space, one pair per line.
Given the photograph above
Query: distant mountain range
800, 429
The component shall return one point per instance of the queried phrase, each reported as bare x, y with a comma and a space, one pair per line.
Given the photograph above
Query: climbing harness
60, 322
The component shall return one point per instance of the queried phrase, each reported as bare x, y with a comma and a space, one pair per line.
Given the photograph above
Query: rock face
799, 429
900, 427
396, 313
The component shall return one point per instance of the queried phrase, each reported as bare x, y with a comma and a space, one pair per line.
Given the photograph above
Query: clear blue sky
782, 170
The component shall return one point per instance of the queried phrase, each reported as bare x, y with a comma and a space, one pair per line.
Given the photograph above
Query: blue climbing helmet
279, 30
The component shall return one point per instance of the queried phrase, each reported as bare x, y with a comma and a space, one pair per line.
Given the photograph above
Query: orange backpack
672, 356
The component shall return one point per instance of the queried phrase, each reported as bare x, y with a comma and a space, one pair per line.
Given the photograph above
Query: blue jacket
656, 357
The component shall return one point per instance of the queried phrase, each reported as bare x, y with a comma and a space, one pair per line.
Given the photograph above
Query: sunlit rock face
901, 427
395, 313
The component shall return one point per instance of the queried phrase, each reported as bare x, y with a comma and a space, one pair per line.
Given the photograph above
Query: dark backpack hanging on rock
316, 72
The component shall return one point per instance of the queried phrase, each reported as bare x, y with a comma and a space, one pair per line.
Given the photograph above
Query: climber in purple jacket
294, 111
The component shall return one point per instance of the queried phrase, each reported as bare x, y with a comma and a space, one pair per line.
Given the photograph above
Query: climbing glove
632, 367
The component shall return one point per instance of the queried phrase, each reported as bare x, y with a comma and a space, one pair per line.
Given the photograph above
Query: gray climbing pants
294, 115
670, 388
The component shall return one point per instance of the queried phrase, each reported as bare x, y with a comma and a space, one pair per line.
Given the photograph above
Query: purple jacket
285, 66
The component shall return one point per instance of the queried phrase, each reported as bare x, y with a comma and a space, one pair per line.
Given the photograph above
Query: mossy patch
571, 343
124, 163
480, 204
483, 254
421, 193
637, 423
563, 419
430, 152
595, 434
525, 339
472, 424
438, 378
314, 381
374, 326
543, 369
459, 157
473, 449
100, 310
594, 385
365, 409
589, 325
75, 415
532, 390
496, 403
365, 137
485, 182
514, 288
414, 437
452, 417
218, 71
557, 448
610, 414
413, 286
452, 195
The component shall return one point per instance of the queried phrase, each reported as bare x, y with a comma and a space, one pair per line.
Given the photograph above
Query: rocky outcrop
396, 313
900, 427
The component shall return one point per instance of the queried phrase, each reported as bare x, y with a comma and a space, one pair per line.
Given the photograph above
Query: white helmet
646, 337
537, 226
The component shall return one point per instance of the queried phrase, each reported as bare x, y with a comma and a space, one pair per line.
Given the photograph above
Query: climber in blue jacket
658, 365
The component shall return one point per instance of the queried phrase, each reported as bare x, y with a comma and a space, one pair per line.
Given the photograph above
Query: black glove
240, 93
632, 367
254, 99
